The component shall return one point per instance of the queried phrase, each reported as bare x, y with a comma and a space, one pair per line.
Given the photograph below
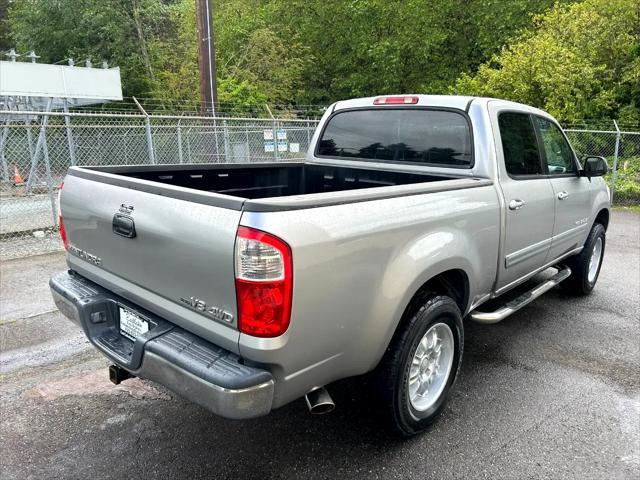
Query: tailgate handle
123, 225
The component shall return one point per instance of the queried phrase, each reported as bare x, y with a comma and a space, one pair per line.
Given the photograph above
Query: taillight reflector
61, 229
63, 232
264, 282
395, 101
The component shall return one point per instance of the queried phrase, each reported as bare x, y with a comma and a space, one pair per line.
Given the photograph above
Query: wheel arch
602, 217
453, 282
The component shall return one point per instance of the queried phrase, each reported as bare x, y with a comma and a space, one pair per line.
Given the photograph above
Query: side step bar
524, 299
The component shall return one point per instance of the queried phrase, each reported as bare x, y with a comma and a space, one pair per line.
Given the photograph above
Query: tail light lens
264, 281
63, 232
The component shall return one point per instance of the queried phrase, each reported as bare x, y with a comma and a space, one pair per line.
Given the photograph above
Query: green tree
313, 51
112, 30
580, 61
5, 32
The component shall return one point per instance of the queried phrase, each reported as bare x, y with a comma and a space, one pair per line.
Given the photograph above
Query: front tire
421, 364
585, 267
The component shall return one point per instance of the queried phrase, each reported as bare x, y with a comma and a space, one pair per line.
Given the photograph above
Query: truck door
528, 195
571, 192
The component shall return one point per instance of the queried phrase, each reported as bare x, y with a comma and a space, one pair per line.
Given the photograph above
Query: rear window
435, 137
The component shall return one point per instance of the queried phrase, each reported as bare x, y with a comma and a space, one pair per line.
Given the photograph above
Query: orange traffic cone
17, 178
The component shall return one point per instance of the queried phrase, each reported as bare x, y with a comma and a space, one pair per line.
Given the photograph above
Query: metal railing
36, 148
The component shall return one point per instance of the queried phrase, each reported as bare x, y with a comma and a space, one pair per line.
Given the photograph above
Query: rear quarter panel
356, 267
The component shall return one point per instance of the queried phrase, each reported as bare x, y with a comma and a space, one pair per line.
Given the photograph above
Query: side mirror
594, 167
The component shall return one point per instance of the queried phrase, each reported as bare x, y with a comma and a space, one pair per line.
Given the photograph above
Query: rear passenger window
519, 144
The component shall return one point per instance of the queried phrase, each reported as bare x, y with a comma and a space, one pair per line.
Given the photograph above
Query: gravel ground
553, 391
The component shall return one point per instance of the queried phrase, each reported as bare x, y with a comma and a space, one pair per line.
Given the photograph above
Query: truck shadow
303, 442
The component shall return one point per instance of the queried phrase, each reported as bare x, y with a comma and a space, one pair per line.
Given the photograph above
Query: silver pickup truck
243, 287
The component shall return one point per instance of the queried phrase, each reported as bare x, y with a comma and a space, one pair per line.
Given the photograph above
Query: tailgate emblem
84, 255
213, 312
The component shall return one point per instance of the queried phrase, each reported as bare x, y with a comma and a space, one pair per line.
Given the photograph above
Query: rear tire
585, 267
421, 364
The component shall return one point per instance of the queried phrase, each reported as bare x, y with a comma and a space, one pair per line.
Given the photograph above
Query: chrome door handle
516, 204
562, 195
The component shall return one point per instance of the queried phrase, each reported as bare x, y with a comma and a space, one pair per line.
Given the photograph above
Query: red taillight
395, 101
63, 232
264, 282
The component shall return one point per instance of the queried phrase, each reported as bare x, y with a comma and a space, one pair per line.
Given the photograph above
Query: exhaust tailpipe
319, 401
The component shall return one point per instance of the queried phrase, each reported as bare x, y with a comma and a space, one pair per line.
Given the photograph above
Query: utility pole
206, 58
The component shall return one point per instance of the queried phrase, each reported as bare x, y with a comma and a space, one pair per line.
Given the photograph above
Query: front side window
519, 144
436, 137
557, 151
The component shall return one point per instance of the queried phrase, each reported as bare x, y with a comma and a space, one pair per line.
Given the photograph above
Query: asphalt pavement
551, 392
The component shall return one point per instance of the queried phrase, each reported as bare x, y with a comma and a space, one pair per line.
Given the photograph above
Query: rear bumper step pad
189, 365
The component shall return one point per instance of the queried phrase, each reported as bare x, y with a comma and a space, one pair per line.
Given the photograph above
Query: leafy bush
580, 61
627, 187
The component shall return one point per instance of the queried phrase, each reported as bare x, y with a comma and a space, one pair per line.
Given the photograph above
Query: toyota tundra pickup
243, 287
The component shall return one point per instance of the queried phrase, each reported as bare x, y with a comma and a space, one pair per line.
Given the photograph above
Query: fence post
47, 166
179, 134
246, 136
29, 139
226, 141
215, 137
616, 153
274, 128
67, 122
41, 139
124, 147
147, 128
189, 146
3, 141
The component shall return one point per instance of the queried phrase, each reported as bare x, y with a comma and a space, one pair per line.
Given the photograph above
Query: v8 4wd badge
213, 312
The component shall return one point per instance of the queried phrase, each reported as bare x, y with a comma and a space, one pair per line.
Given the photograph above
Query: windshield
436, 137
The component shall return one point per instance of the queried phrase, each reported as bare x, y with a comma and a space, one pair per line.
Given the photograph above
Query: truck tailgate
171, 256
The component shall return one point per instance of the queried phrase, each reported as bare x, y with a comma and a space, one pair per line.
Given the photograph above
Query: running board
524, 299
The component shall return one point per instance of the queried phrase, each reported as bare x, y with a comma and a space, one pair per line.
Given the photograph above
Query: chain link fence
37, 148
621, 148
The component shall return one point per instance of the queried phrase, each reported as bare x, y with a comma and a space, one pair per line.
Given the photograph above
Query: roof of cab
460, 102
447, 101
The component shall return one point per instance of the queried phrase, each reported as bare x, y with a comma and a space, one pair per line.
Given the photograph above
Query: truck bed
264, 187
260, 181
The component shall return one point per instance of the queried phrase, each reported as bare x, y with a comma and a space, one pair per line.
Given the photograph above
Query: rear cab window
404, 135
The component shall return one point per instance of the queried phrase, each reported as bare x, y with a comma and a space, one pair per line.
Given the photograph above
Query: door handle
562, 195
516, 204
